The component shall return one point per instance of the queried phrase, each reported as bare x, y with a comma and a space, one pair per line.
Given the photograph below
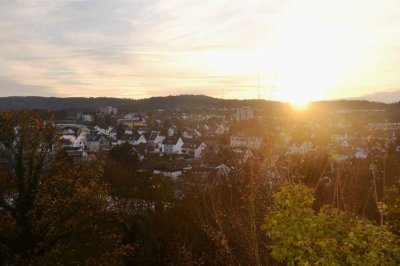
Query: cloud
143, 48
13, 88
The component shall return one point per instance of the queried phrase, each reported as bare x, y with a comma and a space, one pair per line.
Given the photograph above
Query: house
71, 140
132, 123
193, 148
237, 155
245, 140
87, 118
154, 137
171, 171
103, 131
210, 171
68, 131
221, 129
345, 144
96, 143
133, 139
133, 116
360, 154
172, 145
154, 141
339, 138
143, 130
141, 149
113, 133
189, 133
171, 132
77, 154
302, 149
342, 154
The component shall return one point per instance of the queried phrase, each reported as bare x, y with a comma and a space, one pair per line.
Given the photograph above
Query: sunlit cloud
281, 50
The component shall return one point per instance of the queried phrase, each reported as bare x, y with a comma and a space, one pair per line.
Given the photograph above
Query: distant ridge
93, 104
167, 102
391, 96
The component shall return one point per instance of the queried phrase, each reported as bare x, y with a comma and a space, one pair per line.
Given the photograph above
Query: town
211, 142
213, 181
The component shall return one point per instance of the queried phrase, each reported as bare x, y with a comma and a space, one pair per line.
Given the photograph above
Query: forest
265, 212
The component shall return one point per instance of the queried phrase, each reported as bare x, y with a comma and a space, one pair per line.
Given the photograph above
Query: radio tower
259, 94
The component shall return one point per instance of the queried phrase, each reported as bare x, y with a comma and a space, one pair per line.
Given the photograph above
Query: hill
92, 104
168, 102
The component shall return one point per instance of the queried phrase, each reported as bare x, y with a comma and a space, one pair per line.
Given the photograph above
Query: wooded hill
168, 102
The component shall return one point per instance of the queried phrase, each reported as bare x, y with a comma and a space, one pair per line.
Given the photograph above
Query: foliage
52, 212
367, 244
392, 200
124, 153
299, 235
120, 130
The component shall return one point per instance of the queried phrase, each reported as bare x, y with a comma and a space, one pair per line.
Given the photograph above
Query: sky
281, 50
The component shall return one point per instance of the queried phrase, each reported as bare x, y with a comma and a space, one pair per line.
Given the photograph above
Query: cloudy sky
280, 49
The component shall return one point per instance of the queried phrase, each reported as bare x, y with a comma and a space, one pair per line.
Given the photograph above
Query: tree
124, 153
229, 209
392, 200
52, 212
120, 130
301, 236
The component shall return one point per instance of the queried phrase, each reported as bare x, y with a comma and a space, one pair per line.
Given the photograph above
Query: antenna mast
259, 93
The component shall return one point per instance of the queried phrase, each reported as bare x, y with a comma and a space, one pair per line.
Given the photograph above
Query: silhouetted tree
51, 211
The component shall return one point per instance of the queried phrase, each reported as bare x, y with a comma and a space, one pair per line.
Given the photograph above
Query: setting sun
299, 105
309, 60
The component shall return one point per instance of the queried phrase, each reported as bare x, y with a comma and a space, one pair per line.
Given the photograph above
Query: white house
172, 172
96, 143
360, 154
221, 129
339, 138
87, 118
243, 140
133, 139
154, 140
193, 148
302, 149
189, 133
77, 154
172, 145
171, 132
68, 131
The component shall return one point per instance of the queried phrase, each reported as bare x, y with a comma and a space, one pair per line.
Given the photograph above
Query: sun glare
310, 58
299, 105
303, 60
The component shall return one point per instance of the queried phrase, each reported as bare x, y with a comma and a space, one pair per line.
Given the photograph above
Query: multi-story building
244, 113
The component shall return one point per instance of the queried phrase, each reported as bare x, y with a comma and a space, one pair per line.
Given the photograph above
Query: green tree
301, 236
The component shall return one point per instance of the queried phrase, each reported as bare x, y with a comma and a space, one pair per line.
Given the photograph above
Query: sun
299, 105
308, 60
304, 72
